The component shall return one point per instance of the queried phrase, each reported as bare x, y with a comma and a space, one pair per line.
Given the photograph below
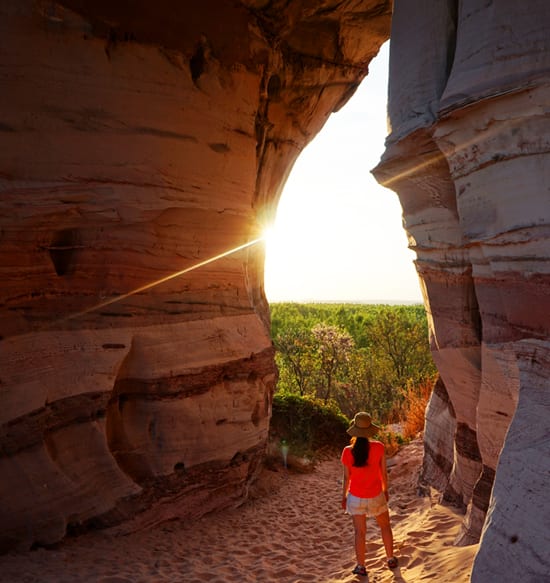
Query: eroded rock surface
141, 153
469, 155
136, 144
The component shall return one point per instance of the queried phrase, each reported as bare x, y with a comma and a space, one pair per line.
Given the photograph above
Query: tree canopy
358, 356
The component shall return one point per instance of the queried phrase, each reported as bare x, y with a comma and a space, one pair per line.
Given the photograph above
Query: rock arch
139, 145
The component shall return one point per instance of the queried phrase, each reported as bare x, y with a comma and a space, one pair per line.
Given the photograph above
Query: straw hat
362, 426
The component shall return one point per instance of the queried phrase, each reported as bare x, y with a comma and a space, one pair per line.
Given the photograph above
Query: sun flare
269, 234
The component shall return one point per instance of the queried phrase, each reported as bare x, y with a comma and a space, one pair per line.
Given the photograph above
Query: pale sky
338, 234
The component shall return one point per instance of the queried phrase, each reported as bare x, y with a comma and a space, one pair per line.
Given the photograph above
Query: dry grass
413, 410
391, 441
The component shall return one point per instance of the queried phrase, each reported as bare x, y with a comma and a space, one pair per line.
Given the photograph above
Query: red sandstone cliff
135, 145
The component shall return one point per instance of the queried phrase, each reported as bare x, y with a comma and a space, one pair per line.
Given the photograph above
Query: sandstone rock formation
136, 144
142, 151
469, 156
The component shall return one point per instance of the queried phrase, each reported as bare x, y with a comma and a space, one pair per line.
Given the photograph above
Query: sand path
292, 531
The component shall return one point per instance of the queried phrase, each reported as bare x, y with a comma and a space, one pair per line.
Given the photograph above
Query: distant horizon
354, 302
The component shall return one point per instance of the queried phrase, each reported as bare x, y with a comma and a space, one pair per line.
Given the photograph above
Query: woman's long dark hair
360, 449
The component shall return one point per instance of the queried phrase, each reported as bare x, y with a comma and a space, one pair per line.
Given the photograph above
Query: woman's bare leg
360, 528
387, 534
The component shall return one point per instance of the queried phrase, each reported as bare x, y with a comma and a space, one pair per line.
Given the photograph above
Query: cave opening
338, 234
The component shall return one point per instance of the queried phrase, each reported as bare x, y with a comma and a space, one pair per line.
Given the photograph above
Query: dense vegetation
307, 425
354, 357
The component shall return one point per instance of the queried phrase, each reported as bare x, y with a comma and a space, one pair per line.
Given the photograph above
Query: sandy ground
293, 530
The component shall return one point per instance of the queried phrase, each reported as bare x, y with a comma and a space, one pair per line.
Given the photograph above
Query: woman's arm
345, 487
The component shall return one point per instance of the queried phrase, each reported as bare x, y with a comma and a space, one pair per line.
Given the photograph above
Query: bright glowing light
269, 235
338, 234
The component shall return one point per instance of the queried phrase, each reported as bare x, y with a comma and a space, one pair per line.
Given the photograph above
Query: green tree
366, 388
334, 347
400, 337
297, 357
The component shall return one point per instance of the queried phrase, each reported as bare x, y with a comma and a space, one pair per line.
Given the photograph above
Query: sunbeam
162, 280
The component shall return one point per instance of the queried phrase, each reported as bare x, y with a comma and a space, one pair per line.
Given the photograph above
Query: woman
365, 487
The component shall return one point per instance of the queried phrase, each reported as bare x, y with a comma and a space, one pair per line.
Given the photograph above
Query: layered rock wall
143, 147
469, 156
141, 153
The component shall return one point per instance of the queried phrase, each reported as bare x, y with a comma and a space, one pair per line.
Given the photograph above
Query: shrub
412, 412
392, 441
307, 424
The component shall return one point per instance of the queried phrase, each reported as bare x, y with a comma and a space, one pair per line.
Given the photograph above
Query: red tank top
365, 482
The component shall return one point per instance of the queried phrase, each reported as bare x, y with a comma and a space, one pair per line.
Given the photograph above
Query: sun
269, 234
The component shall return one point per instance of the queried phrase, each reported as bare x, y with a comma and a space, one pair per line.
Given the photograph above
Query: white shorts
369, 506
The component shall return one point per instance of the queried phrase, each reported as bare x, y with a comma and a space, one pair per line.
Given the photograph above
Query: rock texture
469, 155
142, 150
141, 153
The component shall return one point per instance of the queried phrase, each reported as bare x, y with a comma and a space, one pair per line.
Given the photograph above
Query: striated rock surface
142, 149
469, 156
